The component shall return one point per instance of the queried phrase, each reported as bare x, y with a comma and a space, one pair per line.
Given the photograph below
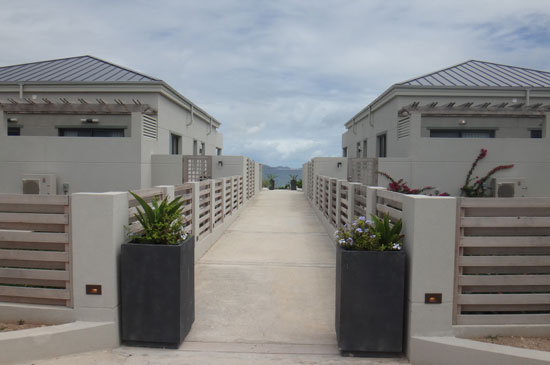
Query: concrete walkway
264, 295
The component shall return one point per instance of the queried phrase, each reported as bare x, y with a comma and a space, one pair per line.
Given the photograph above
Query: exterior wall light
432, 298
93, 289
89, 120
338, 164
220, 163
12, 120
462, 122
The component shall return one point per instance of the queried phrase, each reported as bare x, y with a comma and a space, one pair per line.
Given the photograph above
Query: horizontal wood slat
14, 291
36, 218
503, 248
27, 255
45, 237
18, 199
34, 274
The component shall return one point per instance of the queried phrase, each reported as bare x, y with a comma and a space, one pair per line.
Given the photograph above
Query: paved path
264, 295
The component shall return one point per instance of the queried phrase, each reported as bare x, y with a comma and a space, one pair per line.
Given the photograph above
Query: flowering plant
478, 187
400, 186
371, 235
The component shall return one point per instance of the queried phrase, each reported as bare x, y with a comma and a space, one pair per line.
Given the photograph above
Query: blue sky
282, 76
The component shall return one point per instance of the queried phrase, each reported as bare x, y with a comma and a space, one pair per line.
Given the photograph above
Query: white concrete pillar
371, 199
98, 222
338, 203
429, 226
196, 209
168, 191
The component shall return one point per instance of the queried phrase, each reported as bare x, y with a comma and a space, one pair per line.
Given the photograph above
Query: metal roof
483, 74
74, 69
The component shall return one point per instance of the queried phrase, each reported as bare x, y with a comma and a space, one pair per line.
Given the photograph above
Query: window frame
460, 132
62, 130
175, 144
382, 145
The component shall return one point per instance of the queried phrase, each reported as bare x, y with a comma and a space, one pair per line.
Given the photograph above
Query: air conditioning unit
508, 187
39, 184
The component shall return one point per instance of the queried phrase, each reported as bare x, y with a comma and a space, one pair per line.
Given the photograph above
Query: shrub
371, 235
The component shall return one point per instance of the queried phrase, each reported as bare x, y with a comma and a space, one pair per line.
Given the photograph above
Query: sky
283, 77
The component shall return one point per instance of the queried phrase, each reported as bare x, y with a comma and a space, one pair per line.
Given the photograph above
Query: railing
203, 210
502, 261
185, 191
389, 202
35, 249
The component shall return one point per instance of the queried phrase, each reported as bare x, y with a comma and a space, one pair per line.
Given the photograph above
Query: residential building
428, 130
90, 125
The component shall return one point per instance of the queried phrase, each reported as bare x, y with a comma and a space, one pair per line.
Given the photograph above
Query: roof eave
395, 87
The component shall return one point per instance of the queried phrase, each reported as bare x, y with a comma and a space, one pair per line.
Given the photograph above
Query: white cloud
282, 76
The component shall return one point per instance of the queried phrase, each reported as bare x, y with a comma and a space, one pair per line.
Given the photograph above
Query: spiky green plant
162, 223
388, 235
294, 177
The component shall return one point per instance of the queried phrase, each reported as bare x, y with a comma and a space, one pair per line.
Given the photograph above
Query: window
345, 152
365, 148
91, 132
461, 133
202, 151
358, 152
175, 142
536, 133
14, 131
218, 151
381, 147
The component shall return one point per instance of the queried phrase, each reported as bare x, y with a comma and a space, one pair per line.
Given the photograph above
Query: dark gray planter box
370, 290
292, 184
271, 184
157, 291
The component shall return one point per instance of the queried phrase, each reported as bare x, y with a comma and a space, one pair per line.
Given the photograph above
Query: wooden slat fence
185, 191
389, 202
35, 249
502, 273
205, 207
359, 200
218, 202
333, 202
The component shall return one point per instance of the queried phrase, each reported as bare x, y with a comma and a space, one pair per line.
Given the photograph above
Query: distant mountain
282, 172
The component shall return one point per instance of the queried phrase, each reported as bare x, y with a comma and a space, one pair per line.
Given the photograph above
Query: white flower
396, 246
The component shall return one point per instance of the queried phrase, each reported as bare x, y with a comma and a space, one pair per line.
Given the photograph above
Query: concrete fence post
224, 192
429, 226
98, 226
338, 203
212, 203
168, 191
196, 208
331, 195
351, 200
371, 199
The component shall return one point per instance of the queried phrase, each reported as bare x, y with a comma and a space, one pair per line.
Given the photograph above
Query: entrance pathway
264, 295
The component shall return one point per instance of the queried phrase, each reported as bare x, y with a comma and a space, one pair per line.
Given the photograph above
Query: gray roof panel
74, 69
483, 74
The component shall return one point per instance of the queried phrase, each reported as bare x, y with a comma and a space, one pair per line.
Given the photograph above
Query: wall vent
150, 126
403, 127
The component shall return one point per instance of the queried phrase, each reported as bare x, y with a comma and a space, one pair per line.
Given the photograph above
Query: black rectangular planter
370, 290
157, 291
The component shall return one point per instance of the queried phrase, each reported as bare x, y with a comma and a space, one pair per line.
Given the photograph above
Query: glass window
345, 152
536, 133
461, 133
174, 144
14, 131
381, 145
218, 151
91, 132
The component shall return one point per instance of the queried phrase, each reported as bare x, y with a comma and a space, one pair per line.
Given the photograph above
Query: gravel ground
15, 326
533, 343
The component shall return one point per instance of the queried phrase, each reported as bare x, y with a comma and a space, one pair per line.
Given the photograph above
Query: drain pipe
20, 91
192, 112
210, 130
527, 96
